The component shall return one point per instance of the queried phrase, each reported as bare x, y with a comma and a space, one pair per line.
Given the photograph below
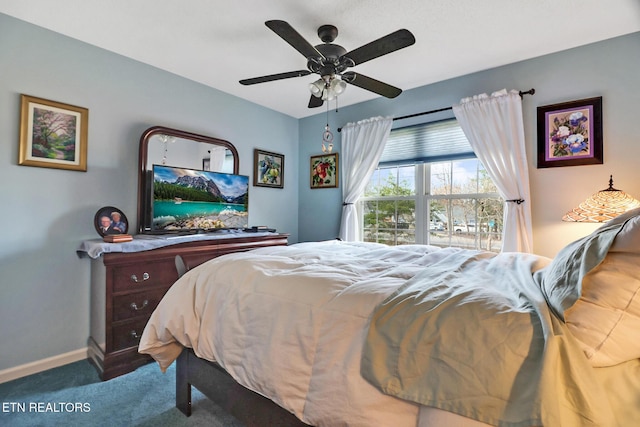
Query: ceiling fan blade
273, 77
370, 84
382, 46
291, 36
315, 102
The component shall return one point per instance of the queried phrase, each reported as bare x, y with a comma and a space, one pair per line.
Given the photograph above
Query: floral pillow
594, 285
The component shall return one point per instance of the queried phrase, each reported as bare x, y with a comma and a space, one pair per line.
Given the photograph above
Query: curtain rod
521, 93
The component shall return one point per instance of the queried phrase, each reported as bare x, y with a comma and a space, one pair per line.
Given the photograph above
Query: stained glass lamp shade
602, 206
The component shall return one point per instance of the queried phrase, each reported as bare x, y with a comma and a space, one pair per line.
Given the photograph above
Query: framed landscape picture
268, 169
53, 134
570, 133
324, 171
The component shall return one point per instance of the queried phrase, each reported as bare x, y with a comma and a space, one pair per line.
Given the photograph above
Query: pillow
593, 284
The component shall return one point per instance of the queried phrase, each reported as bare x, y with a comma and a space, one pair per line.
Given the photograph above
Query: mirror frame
143, 160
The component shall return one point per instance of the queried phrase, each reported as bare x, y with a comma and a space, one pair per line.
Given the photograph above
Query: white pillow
606, 317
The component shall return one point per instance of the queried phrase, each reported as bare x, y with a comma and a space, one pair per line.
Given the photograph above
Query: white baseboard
42, 365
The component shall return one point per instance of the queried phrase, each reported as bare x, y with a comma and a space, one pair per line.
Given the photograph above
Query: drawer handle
145, 276
135, 307
134, 335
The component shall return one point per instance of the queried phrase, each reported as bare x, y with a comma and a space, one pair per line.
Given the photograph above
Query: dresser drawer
144, 275
128, 334
136, 304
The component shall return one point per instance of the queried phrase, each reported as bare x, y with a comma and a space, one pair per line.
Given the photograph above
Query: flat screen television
189, 200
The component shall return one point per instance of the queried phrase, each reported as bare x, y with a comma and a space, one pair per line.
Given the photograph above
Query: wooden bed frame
213, 381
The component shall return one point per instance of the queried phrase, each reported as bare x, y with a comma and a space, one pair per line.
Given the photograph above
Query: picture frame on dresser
110, 220
53, 134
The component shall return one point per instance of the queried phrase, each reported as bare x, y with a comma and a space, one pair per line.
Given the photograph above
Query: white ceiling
217, 42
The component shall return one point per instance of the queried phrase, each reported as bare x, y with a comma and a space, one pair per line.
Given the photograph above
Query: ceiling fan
331, 61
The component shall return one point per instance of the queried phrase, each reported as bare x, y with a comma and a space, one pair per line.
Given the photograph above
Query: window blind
426, 142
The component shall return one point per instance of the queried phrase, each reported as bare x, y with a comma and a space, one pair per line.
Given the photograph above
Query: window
429, 198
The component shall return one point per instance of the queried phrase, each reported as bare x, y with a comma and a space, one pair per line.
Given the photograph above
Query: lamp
602, 206
337, 86
316, 88
328, 87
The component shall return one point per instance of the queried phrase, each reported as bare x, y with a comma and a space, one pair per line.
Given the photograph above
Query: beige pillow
606, 317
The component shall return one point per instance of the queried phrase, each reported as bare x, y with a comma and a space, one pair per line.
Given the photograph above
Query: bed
359, 334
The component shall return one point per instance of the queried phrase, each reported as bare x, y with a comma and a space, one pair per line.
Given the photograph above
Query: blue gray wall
608, 69
46, 213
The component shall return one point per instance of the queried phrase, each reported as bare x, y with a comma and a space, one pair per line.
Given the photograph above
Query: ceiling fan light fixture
328, 95
328, 87
338, 86
316, 88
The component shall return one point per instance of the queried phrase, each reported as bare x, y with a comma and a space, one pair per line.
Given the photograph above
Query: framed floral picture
53, 135
324, 171
570, 133
268, 169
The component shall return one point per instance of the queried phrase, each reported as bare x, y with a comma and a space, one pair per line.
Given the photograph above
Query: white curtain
216, 160
362, 145
494, 127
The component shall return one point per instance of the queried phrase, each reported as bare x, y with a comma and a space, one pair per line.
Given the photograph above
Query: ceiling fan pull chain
327, 136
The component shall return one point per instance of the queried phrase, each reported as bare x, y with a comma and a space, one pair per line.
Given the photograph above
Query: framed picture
109, 221
53, 135
570, 133
324, 171
268, 169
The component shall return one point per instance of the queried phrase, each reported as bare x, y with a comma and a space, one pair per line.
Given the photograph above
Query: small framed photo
570, 133
53, 134
110, 221
324, 171
268, 169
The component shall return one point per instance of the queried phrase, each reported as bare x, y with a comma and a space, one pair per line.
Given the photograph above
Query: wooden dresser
127, 286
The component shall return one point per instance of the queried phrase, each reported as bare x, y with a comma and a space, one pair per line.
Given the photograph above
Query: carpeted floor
73, 395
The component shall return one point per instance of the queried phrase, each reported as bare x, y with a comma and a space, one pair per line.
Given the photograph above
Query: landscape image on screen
188, 199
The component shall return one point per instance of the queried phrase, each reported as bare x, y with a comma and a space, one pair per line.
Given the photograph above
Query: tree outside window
456, 204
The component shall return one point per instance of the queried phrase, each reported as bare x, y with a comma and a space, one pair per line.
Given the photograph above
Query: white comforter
290, 322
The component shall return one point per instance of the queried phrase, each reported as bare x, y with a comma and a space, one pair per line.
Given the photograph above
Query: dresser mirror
171, 147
